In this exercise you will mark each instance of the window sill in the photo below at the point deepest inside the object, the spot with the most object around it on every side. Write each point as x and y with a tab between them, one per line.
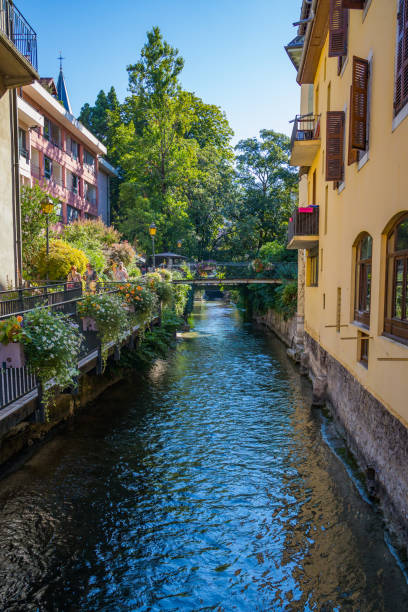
361	326
403	114
344	66
395	340
362	162
341	187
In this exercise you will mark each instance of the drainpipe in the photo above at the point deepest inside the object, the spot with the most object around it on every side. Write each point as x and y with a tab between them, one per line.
16	188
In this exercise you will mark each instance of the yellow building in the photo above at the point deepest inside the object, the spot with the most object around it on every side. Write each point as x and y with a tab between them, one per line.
350	142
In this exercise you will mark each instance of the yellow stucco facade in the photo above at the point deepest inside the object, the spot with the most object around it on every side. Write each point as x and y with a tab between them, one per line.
373	193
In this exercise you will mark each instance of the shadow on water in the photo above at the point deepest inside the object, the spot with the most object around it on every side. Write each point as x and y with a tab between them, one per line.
206	485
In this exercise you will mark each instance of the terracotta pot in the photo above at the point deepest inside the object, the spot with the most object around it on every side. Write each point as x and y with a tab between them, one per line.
130	308
89	324
12	355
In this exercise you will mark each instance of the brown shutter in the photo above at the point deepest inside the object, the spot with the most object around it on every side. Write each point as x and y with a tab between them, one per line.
353	4
358	109
334	145
338	29
352	153
401	73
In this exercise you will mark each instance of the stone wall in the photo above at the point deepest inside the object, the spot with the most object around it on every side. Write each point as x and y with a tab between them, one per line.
378	440
285	330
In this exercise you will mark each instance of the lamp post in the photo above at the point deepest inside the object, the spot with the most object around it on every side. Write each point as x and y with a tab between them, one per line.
152	232
47	206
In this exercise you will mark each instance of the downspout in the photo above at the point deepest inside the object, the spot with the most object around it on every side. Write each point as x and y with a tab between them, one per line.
16	189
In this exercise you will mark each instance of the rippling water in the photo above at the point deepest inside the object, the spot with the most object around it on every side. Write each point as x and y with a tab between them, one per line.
206	487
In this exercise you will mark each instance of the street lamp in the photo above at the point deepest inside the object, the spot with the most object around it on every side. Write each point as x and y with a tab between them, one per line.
179	244
152	232
47	206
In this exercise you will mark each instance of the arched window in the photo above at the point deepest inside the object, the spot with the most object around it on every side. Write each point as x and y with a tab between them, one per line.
396	303
363	280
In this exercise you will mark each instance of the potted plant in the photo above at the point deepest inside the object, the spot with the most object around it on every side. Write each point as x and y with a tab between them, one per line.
142	298
11	343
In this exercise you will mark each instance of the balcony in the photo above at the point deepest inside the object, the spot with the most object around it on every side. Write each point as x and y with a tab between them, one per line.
18	47
305	141
303	228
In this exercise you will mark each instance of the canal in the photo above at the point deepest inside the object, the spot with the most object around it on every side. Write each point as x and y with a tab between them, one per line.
208	485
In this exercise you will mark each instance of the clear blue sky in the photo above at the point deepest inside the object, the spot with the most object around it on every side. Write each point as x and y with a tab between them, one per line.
233	51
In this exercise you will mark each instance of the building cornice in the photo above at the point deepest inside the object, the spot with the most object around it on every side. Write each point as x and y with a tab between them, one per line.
315	37
55	110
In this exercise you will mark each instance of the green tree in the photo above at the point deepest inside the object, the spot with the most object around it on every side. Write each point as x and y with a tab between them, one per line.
268	187
33	226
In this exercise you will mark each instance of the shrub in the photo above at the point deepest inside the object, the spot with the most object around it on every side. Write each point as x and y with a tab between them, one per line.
61	257
121	252
165	274
94	231
276	252
285	301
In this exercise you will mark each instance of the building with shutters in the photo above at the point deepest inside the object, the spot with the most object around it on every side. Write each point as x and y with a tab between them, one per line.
350	142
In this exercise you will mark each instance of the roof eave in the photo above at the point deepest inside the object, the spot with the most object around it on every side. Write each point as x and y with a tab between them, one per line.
314	41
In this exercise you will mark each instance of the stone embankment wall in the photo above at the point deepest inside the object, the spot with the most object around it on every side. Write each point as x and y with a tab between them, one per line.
285	330
378	440
27	435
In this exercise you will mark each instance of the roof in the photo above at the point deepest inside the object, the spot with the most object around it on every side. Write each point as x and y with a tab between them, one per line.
49	84
62	92
54	108
106	167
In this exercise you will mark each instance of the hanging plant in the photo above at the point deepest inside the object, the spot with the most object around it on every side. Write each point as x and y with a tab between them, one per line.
142	297
52	342
111	320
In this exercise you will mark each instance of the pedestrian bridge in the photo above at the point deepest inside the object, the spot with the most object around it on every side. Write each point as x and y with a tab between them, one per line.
205	282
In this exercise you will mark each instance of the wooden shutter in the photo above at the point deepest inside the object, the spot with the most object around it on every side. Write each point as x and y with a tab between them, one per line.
338	29
353	4
359	103
401	73
334	145
352	153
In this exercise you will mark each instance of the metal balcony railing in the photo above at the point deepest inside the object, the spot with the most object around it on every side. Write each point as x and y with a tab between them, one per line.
304	222
19	31
305	127
24	153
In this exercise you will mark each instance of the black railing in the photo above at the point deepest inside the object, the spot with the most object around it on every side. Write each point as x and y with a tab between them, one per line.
19	31
304	223
24	153
18	382
305	127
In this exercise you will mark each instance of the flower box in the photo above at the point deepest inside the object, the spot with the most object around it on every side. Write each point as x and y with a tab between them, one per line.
12	355
89	324
129	308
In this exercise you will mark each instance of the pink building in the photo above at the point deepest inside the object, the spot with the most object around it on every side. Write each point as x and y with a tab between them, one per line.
57	151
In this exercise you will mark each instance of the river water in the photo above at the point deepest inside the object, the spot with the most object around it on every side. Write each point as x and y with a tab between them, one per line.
207	485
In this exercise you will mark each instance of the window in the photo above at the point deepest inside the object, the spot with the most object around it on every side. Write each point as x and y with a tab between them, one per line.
22	144
73	182
52	132
358	121
401	69
362	301
338	30
313	265
90	193
335	145
89	160
363	341
72	148
47	167
396	305
58	211
72	214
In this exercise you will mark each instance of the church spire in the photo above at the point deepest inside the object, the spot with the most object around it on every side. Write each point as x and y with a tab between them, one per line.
62	88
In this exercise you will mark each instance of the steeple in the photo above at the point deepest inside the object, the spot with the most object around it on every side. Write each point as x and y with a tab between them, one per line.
62	88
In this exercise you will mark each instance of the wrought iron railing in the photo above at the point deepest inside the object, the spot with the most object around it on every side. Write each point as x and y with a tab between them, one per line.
15	383
305	127
304	222
19	31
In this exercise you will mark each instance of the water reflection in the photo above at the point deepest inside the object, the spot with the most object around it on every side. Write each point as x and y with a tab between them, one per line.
205	487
